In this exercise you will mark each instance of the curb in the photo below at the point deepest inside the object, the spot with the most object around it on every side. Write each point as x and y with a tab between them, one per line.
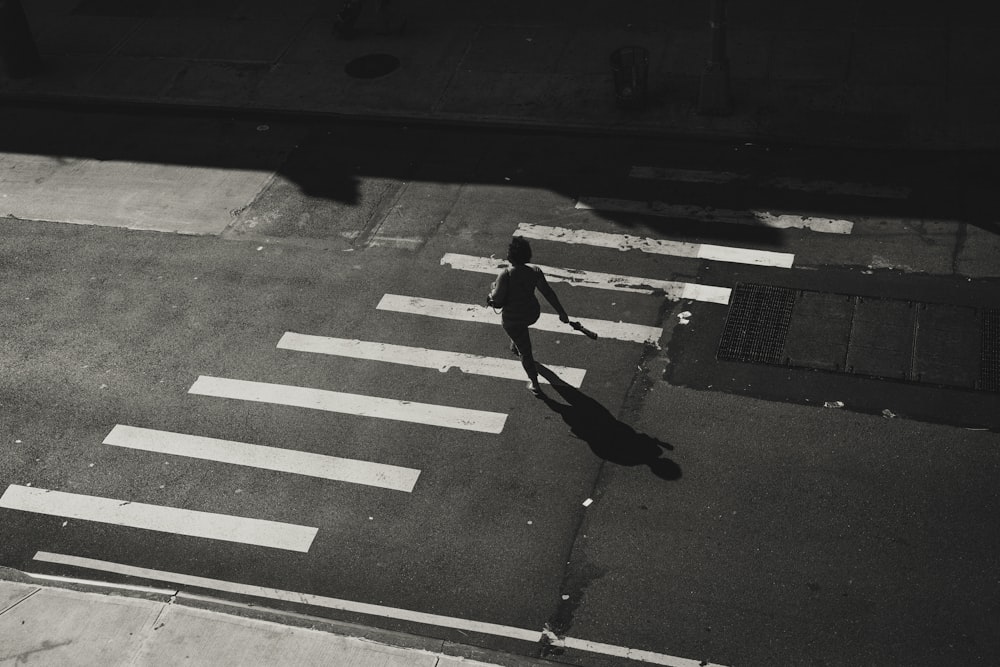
474	121
391	638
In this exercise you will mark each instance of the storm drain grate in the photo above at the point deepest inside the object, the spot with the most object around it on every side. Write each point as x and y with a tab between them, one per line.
945	345
989	376
757	324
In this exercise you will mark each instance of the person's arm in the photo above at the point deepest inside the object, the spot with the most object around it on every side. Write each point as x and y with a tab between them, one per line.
498	295
550	296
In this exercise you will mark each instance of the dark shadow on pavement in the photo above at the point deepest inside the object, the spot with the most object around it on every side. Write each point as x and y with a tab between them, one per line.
609	438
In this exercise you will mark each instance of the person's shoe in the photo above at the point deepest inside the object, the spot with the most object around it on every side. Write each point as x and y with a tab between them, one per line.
535	390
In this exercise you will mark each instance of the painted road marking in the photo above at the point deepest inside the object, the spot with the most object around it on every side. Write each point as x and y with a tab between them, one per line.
159	518
709	214
671	289
362	608
269	458
625	242
778	182
467	312
442	360
351	404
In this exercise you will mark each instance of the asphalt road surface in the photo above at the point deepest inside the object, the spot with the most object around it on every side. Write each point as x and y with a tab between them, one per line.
300	399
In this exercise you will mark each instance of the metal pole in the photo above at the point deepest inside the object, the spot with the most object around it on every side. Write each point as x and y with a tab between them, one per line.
714	97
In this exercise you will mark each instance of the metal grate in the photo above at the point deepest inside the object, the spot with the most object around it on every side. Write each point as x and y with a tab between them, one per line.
757	324
989	370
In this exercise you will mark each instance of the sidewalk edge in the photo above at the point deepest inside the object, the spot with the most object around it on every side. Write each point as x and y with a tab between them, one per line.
462	120
391	638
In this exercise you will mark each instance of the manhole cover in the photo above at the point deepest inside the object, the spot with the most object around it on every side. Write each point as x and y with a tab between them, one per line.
372	66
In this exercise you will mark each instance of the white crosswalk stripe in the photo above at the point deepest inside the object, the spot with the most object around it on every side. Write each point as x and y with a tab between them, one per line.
626	242
777	182
467	312
353	404
671	289
269	458
224	527
442	360
709	214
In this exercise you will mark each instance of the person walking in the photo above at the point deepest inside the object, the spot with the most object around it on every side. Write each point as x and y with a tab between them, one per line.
514	292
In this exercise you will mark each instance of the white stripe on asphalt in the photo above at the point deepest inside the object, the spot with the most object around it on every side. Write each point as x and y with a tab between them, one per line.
467	312
157	517
671	289
779	182
442	360
268	458
361	608
708	214
625	242
351	404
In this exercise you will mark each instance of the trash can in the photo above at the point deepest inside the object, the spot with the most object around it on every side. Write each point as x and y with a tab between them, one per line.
630	66
18	54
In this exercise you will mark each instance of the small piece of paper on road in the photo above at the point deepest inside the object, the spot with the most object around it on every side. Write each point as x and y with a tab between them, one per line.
587	502
833	404
684	318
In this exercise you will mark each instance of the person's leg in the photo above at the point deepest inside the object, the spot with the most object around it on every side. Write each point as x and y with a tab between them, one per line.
522	341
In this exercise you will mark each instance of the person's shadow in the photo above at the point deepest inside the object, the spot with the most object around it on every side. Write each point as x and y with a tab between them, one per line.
609	438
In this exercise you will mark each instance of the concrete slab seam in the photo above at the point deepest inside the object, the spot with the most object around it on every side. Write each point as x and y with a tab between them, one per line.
14	604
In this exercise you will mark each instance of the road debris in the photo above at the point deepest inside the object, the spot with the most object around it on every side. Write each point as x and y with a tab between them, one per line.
833	404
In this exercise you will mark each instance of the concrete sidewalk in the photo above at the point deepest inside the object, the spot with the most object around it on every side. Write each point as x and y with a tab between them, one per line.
56	625
848	72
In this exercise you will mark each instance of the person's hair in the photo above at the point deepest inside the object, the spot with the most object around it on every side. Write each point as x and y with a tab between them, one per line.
518	252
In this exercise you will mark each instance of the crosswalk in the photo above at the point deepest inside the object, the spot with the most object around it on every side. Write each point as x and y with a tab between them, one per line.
468	312
671	289
750	218
625	242
159	518
442	360
266	458
344	405
350	404
286	459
